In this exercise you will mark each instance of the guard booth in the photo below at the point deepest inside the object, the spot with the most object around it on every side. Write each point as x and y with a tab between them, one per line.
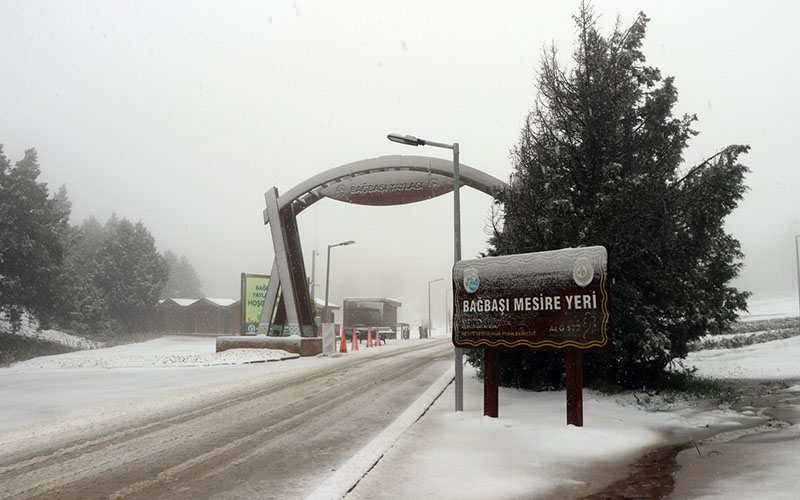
403	330
363	313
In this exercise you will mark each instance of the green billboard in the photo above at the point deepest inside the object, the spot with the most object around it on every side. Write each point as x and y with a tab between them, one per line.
254	291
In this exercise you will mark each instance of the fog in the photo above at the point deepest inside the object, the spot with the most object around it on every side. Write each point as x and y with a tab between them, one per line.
182	114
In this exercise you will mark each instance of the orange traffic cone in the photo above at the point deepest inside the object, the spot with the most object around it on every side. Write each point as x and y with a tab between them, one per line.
377	337
369	336
343	346
355	341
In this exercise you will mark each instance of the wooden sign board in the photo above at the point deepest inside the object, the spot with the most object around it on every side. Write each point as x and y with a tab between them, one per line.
543	300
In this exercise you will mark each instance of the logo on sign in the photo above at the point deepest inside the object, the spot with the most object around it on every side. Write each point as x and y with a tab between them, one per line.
471	280
583	272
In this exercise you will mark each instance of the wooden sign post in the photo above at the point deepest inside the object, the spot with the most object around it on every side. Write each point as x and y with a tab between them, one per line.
491	382
574	364
555	300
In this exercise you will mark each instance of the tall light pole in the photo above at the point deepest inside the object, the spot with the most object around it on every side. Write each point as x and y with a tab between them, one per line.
430	325
797	256
328	275
314	254
410	140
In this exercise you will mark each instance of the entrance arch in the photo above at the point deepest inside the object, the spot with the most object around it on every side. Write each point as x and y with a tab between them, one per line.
385	180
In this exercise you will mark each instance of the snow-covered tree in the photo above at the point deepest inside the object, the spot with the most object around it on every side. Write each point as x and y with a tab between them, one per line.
113	277
183	280
32	225
130	273
90	277
600	162
83	307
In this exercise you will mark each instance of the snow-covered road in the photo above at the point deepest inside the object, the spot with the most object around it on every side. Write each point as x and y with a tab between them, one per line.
273	435
529	452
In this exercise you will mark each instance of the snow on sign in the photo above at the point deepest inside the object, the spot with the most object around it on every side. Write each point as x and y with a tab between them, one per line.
543	300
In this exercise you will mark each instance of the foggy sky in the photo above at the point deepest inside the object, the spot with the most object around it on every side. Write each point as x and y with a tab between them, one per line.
182	114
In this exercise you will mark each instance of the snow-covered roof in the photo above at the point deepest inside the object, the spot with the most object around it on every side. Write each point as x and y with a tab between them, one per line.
388	300
321	303
222	302
188	302
183	302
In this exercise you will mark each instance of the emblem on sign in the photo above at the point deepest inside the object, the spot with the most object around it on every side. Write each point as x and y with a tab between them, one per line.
471	280
583	272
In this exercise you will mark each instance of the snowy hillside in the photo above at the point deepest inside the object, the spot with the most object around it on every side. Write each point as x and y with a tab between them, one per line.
30	328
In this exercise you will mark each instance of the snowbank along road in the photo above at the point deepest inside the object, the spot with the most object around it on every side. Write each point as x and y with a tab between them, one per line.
276	439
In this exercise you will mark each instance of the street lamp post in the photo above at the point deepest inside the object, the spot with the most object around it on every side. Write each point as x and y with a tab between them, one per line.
314	254
410	140
328	275
430	325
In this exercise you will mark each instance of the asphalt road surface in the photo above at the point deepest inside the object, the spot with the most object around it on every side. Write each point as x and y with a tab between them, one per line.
277	440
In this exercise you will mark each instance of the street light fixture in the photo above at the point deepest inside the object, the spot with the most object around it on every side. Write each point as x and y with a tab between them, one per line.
328	275
410	140
430	325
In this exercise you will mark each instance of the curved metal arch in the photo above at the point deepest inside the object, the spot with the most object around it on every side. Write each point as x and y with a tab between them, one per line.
307	192
288	266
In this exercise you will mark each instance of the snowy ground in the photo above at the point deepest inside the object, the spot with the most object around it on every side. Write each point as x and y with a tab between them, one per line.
527	452
168	351
29	328
776	360
771	308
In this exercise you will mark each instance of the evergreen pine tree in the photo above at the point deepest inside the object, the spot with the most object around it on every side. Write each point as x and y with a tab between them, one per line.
84	308
31	240
183	280
130	273
600	162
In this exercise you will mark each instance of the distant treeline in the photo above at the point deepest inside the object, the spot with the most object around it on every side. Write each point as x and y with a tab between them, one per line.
90	278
